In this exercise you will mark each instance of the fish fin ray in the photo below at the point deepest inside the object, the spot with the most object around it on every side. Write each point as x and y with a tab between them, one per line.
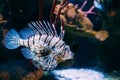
26	33
11	39
42	28
27	53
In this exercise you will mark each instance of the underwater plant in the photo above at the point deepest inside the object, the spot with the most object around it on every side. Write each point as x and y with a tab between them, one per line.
73	16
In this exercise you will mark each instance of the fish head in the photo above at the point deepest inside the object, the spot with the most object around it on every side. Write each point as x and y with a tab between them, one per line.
45	52
66	54
42	50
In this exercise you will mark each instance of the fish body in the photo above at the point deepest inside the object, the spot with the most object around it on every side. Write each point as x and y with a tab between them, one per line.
37	43
40	43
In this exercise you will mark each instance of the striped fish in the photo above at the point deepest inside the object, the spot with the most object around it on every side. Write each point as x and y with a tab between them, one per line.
40	43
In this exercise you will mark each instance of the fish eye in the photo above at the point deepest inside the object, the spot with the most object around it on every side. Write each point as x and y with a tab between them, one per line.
45	52
67	48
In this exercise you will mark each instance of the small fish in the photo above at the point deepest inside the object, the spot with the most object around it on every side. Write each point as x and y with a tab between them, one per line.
40	43
98	4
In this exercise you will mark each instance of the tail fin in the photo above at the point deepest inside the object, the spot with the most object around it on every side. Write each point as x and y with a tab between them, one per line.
11	39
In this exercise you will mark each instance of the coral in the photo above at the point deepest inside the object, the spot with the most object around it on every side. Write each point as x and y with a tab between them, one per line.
102	35
35	75
1	19
4	76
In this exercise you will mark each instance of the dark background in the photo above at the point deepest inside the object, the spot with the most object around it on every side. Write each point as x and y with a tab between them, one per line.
89	52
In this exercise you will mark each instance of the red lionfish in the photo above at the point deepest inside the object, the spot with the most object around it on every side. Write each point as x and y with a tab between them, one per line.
41	44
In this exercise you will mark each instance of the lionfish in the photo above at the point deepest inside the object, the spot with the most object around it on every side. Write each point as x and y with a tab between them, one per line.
41	43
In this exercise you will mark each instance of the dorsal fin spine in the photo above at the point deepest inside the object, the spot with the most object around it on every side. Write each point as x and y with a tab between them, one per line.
40	28
40	23
54	30
47	27
33	28
50	28
37	28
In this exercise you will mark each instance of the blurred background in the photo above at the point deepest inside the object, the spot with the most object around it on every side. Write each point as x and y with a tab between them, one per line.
90	53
